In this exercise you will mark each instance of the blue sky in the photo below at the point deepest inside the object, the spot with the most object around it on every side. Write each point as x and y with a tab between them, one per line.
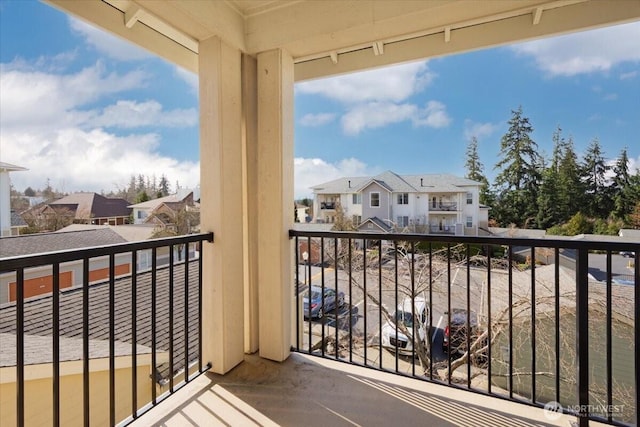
86	110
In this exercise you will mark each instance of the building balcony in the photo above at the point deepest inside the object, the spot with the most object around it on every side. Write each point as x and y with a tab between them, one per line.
443	207
328	205
502	333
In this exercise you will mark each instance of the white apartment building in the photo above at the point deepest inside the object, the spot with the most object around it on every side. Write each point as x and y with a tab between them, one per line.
388	202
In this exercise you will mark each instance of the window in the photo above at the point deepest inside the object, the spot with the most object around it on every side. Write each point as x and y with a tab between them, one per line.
357	219
403	221
469	221
469	198
374	200
403	198
357	199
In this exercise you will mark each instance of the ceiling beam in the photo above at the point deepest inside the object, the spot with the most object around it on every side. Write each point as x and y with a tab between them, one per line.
561	20
109	18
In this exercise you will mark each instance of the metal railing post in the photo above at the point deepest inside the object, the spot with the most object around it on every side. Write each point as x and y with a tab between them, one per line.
582	335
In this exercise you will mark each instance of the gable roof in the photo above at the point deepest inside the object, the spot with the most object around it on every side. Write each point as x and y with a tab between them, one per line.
172	198
129	232
47	242
39	313
376	222
426	183
93	205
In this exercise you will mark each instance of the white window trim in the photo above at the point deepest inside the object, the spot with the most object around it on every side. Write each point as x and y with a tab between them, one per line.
371	199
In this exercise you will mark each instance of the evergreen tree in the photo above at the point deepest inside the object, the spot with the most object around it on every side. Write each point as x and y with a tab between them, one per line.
475	171
593	176
548	196
519	176
569	184
164	187
622	188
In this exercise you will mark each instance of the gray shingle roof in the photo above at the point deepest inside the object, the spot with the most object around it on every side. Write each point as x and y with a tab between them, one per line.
427	183
48	242
38	317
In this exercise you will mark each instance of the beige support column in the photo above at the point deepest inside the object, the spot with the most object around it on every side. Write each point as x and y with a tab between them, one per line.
221	185
275	202
250	194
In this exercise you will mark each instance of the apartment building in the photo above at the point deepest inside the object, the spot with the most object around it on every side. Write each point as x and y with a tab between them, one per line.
388	202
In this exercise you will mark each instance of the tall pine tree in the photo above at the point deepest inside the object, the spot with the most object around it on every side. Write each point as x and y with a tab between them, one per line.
475	171
519	177
594	180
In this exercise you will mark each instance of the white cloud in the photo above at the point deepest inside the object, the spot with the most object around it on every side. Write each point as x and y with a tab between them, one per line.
314	120
107	44
50	124
375	115
75	160
395	84
479	130
38	99
585	52
132	114
311	172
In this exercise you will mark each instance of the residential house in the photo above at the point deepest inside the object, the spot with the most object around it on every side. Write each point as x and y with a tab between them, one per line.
155	211
429	204
82	208
7	220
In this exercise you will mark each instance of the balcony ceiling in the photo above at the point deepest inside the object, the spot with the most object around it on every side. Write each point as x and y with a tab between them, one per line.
332	37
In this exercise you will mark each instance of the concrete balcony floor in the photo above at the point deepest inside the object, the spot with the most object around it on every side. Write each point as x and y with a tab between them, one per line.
309	391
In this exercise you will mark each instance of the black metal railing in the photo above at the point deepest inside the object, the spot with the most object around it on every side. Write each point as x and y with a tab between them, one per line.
516	319
142	326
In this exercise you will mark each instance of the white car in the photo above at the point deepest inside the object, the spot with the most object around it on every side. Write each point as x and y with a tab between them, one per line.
394	338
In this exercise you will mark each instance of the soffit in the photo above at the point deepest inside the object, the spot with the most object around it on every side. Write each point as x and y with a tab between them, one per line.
338	36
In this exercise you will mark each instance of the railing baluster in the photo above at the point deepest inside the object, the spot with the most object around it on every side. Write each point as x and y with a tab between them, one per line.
533	325
350	301
380	302
322	279
510	285
171	307
609	343
134	334
430	311
557	321
449	350
86	400
413	308
395	320
468	317
56	344
335	272
20	347
582	334
364	302
297	291
636	324
186	314
154	343
112	341
489	336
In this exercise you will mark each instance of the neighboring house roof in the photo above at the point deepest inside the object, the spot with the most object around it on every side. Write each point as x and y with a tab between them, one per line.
603	238
39	313
47	242
377	222
16	220
129	232
427	183
92	205
517	232
153	204
37	349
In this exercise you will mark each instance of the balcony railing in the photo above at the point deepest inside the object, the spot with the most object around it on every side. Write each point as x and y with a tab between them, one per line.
444	206
327	205
515	319
106	351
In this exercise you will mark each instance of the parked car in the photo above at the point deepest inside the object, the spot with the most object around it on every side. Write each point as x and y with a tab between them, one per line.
455	333
392	335
627	254
320	306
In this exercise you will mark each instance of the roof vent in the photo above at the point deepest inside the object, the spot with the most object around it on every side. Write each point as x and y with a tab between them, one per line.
421	183
349	183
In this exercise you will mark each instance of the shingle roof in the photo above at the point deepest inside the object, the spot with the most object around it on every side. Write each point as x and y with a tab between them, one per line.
16	220
38	316
92	205
129	232
427	183
47	242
